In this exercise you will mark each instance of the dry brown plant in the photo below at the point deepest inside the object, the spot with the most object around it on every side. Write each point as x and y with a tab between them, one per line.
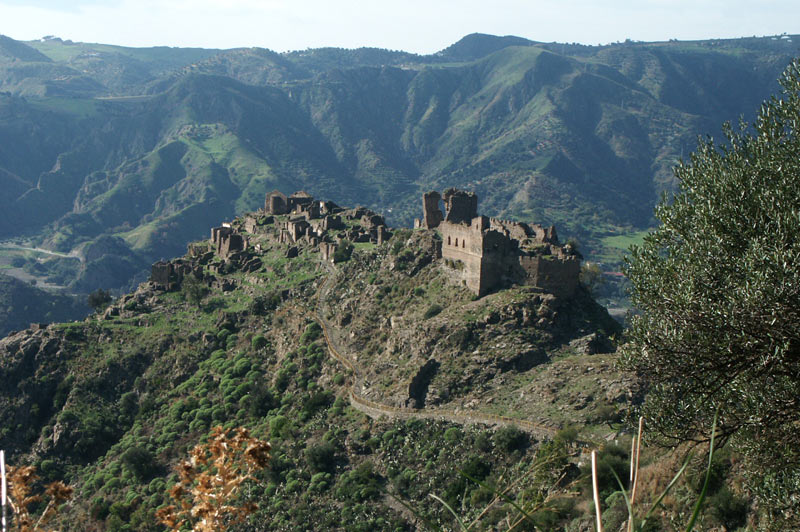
210	480
20	487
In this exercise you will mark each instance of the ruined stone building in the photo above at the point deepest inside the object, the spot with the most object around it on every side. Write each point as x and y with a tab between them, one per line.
298	219
226	240
487	254
298	203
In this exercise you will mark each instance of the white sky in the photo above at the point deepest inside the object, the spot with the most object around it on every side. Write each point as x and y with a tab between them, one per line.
421	26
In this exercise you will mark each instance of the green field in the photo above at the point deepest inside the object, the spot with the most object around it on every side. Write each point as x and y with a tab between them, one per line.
615	247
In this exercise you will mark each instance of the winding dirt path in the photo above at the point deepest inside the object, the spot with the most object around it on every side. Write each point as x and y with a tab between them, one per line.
70	255
375	410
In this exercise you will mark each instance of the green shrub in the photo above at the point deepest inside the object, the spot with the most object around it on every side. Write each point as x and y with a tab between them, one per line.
612	457
279	426
343	251
313	331
140	462
432	311
728	508
258	342
404	258
321	457
316	401
452	434
320	482
262	400
112	484
262	304
194	290
509	439
359	485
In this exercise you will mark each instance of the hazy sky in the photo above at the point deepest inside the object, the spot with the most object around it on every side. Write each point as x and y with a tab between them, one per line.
421	26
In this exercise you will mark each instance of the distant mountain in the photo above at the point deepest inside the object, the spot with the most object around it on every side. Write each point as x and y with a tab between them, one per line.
477	45
16	51
149	147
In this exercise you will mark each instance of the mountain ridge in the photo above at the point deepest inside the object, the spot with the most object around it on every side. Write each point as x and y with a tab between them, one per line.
154	145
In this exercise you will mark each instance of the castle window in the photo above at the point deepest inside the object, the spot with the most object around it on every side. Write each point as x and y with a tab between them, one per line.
456	242
463	243
448	240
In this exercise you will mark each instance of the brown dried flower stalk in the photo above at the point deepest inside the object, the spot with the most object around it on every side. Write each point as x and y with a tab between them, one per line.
20	484
210	480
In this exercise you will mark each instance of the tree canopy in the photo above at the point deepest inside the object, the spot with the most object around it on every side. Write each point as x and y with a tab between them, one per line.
718	287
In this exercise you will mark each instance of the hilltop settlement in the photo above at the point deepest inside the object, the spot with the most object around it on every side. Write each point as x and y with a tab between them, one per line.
481	253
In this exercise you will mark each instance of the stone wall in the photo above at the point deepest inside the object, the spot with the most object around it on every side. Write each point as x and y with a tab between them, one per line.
276	203
169	275
461	206
462	245
431	213
557	275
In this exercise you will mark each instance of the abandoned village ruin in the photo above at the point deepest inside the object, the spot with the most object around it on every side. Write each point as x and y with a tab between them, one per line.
481	253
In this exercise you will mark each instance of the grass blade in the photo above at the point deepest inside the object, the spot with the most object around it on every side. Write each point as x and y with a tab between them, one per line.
596	492
666	490
458	519
628	501
702	497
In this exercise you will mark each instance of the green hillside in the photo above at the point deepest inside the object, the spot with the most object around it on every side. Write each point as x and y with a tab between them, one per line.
153	146
371	404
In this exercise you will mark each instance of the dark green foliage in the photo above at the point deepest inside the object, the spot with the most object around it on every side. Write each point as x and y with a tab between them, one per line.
611	457
728	508
343	251
475	468
404	258
94	429
316	401
398	244
452	434
360	484
262	400
321	457
313	332
510	438
432	311
262	304
129	404
99	299
140	462
194	290
719	291
258	342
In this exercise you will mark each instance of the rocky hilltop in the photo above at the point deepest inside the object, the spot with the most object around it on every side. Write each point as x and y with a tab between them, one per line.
356	349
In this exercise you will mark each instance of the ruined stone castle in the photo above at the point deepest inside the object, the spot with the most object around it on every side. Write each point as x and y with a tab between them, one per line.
487	254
